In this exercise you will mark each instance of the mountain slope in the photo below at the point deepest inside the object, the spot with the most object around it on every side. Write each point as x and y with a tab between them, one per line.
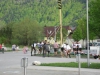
45	12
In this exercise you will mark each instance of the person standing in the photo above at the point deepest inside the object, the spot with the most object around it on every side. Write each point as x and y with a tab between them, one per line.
80	47
62	49
56	46
67	50
45	48
0	47
17	48
33	47
3	45
25	49
48	51
74	46
40	47
13	47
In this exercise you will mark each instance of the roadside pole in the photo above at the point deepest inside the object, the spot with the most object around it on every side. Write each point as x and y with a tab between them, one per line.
24	63
88	61
78	60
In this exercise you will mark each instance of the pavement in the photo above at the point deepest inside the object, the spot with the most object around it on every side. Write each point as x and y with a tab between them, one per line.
67	70
12	66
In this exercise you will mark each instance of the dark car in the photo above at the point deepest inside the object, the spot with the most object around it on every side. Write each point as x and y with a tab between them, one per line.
90	44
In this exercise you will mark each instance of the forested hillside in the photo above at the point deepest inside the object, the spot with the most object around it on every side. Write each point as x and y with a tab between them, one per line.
45	12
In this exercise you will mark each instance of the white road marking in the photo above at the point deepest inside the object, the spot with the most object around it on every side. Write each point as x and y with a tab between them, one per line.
11	72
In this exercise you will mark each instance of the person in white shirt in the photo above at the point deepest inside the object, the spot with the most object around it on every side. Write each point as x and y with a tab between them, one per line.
80	47
62	49
74	46
67	49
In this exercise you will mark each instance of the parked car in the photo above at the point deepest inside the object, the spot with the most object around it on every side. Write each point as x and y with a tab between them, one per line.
97	44
90	44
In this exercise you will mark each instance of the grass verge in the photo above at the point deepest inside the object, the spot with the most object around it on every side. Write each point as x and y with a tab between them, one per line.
73	64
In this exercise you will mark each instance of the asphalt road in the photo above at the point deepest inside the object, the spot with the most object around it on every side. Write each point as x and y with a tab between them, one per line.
10	64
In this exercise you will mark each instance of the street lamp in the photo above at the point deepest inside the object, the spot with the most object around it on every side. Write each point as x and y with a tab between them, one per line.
88	61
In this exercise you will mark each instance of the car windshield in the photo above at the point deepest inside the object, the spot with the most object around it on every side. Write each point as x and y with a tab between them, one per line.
98	44
94	43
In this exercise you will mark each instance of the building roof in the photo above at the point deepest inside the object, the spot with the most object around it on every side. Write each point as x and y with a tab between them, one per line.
49	31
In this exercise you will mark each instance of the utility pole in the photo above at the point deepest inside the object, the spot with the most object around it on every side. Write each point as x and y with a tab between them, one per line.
88	61
60	14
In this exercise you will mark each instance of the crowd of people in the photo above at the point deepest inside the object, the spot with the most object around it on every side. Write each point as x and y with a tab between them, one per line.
77	47
44	48
15	47
65	48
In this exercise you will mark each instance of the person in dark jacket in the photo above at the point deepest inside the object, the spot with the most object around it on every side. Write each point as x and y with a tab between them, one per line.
33	47
45	49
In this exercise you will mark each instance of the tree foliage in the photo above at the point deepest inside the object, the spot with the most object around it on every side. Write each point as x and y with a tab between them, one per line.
27	31
94	14
45	12
6	33
82	25
77	35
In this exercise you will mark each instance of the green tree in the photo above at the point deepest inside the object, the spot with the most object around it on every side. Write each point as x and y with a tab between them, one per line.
77	34
82	24
6	33
27	31
94	15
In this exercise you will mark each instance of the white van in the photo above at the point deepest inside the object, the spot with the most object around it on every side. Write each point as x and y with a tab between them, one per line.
95	50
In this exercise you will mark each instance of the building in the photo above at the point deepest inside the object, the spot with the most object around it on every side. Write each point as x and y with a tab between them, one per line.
50	32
